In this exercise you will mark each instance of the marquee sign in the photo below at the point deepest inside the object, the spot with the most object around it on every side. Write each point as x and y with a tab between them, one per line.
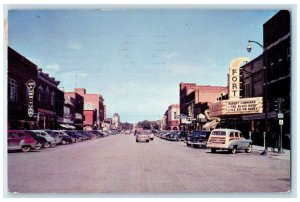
234	77
233	107
30	87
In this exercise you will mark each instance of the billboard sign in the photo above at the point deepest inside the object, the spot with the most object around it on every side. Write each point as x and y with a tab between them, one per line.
234	107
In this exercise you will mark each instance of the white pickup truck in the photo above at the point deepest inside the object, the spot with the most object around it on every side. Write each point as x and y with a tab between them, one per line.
228	139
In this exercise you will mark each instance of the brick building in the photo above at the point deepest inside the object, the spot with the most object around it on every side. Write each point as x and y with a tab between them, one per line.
173	120
34	101
97	101
195	99
46	96
20	71
79	107
277	43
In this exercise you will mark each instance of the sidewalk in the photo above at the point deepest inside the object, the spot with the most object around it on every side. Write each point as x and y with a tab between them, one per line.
272	154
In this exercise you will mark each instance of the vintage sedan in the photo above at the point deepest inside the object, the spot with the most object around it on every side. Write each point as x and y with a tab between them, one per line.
50	140
198	138
19	140
143	135
228	139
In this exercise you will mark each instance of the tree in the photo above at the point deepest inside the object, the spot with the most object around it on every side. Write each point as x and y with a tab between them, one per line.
127	126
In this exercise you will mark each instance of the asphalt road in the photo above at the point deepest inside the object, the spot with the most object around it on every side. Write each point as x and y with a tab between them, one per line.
117	164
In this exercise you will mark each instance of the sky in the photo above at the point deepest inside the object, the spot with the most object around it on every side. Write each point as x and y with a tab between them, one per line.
136	58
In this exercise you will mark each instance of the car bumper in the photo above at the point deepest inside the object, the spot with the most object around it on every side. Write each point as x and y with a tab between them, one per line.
202	144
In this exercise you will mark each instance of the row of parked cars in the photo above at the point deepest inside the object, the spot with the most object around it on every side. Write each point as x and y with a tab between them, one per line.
26	140
217	139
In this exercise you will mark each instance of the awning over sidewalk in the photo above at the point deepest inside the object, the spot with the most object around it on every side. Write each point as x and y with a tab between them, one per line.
67	126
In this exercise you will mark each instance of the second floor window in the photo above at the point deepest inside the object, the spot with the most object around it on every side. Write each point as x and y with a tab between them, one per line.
40	93
52	98
13	90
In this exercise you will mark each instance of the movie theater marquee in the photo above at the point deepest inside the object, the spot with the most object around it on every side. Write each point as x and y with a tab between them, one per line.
236	105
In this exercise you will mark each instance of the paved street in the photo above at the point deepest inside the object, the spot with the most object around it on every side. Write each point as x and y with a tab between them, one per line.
117	164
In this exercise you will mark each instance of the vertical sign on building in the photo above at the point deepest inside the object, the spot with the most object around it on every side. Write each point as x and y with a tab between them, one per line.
234	77
30	87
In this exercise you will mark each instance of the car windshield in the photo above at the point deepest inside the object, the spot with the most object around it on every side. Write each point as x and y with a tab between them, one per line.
220	133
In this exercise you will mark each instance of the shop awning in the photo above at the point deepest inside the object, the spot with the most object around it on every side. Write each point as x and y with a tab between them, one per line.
67	126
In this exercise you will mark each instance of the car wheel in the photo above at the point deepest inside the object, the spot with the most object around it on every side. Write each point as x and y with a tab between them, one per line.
63	142
47	145
249	149
38	146
136	140
25	148
188	144
232	151
147	140
213	150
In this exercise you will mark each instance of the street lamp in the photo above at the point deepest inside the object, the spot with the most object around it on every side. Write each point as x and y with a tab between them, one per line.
249	48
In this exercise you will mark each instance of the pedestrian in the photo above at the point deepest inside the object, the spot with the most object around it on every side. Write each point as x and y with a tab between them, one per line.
274	140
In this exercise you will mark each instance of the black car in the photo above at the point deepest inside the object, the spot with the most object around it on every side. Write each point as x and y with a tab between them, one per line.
198	138
77	137
41	141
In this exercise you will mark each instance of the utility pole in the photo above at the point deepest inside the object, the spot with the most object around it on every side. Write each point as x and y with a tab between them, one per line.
280	118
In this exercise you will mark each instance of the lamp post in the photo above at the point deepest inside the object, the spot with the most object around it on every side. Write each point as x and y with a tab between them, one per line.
249	48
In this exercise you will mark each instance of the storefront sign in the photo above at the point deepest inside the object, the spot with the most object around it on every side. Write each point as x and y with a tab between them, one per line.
234	77
233	107
30	87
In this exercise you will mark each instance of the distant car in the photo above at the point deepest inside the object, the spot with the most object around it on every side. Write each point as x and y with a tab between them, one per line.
228	139
150	133
198	138
142	136
19	140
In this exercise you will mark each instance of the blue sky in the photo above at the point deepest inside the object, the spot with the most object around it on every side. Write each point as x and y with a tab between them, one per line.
136	58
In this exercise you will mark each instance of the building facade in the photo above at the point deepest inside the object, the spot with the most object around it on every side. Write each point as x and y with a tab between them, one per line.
22	110
269	76
194	100
173	121
116	121
97	101
79	106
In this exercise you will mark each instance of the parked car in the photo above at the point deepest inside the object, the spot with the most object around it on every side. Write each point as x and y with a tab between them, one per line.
50	140
54	135
198	138
41	141
77	138
143	135
228	139
19	140
65	139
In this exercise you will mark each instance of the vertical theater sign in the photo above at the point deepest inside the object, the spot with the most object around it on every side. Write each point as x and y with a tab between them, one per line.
236	105
30	88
